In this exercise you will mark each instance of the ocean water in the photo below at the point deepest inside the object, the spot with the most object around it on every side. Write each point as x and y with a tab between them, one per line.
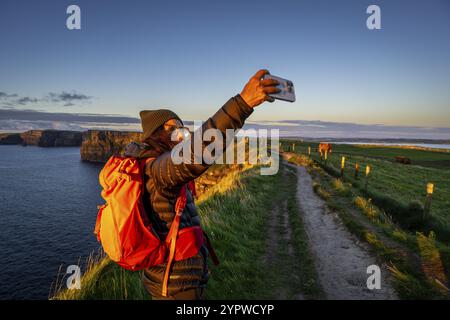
48	207
422	145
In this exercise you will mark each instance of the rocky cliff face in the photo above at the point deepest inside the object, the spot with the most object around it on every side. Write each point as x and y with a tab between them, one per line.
10	138
43	138
51	138
99	145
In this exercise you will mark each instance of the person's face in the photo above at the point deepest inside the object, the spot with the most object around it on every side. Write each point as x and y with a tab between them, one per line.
173	132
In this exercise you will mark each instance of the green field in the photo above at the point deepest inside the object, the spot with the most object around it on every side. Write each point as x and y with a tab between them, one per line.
425	158
391	184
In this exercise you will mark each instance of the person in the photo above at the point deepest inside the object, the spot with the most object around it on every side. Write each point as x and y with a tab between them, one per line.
164	179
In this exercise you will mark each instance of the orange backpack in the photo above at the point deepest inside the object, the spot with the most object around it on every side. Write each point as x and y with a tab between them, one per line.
124	230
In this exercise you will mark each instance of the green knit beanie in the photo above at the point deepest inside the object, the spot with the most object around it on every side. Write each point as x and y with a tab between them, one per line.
153	119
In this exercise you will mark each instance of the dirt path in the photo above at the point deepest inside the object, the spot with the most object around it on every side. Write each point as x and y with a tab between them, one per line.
280	244
341	260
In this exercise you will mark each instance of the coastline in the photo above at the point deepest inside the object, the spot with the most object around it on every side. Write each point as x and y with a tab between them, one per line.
99	145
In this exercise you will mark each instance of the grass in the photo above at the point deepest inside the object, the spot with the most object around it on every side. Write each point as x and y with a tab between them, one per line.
398	189
103	280
236	223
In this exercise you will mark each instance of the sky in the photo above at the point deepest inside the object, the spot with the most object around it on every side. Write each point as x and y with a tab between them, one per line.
192	56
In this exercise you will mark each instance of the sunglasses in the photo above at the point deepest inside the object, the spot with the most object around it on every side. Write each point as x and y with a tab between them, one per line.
185	131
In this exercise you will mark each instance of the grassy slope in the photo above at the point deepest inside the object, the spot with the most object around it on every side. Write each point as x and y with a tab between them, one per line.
235	221
234	213
105	280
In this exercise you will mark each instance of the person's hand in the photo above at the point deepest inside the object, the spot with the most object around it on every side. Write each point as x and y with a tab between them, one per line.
256	90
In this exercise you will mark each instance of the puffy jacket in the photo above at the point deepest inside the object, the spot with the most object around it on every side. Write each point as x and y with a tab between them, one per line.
164	180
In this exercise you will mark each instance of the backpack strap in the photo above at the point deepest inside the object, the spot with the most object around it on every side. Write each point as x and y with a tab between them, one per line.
171	238
212	253
210	248
191	186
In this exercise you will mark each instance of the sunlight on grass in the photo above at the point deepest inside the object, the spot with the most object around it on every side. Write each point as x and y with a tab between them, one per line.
431	260
400	235
366	207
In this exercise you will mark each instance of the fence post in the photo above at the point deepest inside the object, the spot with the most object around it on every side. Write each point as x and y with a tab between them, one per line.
430	189
356	171
326	156
367	178
309	152
342	167
293	146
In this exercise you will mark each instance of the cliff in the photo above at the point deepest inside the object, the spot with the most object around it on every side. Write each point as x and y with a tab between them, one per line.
99	145
52	138
10	138
43	138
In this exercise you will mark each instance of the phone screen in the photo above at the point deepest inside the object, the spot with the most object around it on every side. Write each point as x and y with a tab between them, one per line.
287	92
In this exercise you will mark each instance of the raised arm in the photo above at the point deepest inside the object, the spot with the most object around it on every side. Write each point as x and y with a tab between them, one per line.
169	177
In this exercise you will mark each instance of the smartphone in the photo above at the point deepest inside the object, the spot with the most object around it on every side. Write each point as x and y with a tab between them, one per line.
287	92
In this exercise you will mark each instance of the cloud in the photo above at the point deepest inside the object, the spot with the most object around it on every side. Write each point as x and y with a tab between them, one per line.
340	130
4	95
19	120
63	98
33	115
13	99
68	98
26	100
23	125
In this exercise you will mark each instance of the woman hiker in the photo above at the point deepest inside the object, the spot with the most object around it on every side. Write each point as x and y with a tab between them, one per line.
164	180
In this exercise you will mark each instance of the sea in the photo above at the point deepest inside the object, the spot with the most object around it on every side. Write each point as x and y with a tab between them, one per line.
393	144
48	207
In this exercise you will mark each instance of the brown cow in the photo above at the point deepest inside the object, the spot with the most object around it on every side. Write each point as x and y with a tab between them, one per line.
325	147
404	160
